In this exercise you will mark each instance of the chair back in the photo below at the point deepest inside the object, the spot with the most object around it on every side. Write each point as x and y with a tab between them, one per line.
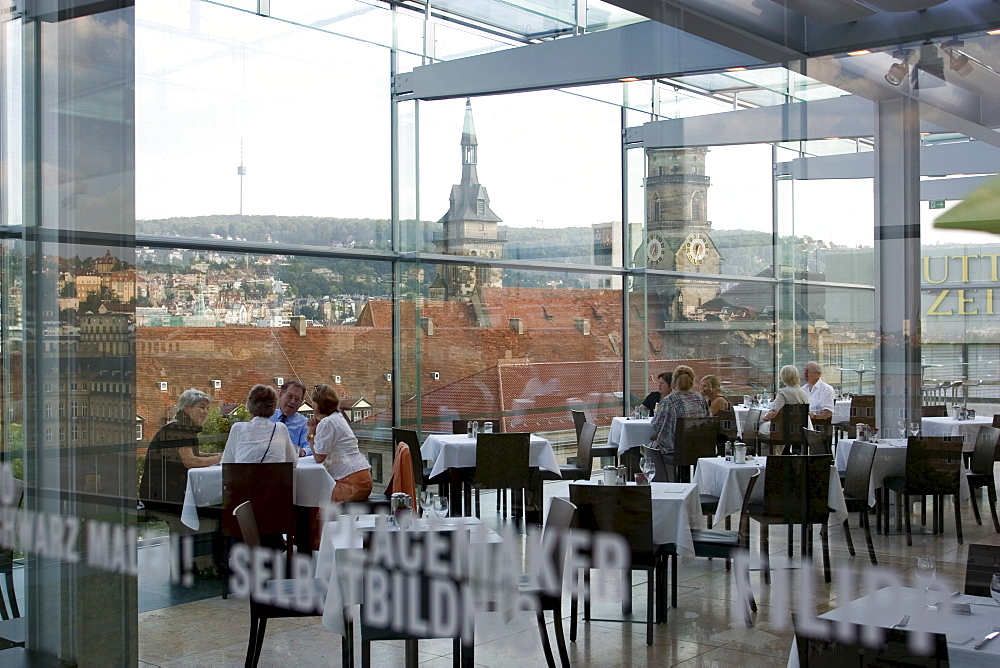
502	460
578	419
797	489
734	399
626	510
996	421
863	410
751	426
584	445
268	487
859	470
983	561
247	523
460	426
933	465
820	645
694	438
787	425
560	519
409	437
744	529
816	442
934	411
985	453
728	426
402	479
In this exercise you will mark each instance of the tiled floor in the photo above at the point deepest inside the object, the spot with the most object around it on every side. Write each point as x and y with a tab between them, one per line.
699	632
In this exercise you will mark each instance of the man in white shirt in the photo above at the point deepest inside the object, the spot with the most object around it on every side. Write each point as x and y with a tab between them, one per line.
821	395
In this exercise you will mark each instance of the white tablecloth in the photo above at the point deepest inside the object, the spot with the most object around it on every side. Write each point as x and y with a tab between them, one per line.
459	451
887	606
676	508
728	481
890	460
313	487
946	426
628	433
343	540
842	411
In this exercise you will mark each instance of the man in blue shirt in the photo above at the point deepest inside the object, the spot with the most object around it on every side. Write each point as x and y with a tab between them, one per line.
292	395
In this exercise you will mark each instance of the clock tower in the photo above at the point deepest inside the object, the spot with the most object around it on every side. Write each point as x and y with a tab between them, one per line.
678	230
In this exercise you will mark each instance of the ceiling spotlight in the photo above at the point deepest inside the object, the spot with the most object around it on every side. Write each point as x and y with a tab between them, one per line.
958	62
897	73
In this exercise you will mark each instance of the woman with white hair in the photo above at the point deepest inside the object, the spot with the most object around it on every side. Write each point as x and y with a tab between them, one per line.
174	450
260	441
791	393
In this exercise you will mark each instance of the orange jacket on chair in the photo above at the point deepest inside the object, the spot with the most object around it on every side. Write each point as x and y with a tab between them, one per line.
402	474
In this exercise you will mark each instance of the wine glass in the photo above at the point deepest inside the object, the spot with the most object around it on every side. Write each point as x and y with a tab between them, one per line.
426	502
902	428
440	506
914	428
648	467
925	574
995	587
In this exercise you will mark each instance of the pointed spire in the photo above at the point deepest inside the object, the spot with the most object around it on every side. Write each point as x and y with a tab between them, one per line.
469	129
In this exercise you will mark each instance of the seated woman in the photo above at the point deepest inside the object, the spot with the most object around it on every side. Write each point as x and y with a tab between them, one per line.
791	393
711	389
681	402
174	450
335	446
260	441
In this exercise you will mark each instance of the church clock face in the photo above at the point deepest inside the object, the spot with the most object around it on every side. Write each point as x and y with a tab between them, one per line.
696	249
654	248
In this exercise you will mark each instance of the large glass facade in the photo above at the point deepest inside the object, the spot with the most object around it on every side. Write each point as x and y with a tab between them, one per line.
213	195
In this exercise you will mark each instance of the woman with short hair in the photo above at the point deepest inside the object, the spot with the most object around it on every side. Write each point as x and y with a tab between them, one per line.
260	441
336	447
681	402
791	393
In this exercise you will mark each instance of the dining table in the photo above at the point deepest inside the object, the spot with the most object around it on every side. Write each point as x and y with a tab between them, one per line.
676	509
455	451
946	426
629	432
343	561
312	487
887	607
726	479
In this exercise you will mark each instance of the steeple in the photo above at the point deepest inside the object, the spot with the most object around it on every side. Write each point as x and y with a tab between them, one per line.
469	147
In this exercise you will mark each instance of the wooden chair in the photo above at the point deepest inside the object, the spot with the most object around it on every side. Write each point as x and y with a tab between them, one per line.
728	426
561	517
734	399
246	523
980	565
796	492
584	466
628	512
269	488
857	482
694	438
981	472
934	411
502	464
598	451
933	468
751	429
816	442
722	544
786	430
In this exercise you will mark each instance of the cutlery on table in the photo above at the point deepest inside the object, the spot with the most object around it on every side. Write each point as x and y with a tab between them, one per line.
901	623
989	636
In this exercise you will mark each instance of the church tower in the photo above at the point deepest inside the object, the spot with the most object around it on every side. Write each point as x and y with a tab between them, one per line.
470	228
678	230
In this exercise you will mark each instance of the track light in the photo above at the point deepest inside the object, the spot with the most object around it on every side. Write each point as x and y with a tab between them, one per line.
958	62
898	72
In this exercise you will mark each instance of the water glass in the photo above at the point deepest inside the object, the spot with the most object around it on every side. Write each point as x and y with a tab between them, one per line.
914	428
902	428
647	466
440	506
426	502
925	574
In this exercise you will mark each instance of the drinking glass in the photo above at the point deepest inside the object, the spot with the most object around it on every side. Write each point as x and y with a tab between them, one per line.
925	574
404	518
902	428
914	428
440	506
426	502
647	466
995	587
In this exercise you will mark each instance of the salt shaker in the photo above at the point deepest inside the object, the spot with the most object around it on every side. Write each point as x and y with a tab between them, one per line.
487	427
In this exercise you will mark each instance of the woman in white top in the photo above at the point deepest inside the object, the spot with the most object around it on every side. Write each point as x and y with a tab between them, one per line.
335	446
260	441
791	393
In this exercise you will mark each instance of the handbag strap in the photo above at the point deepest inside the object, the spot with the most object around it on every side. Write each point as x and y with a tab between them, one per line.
268	444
